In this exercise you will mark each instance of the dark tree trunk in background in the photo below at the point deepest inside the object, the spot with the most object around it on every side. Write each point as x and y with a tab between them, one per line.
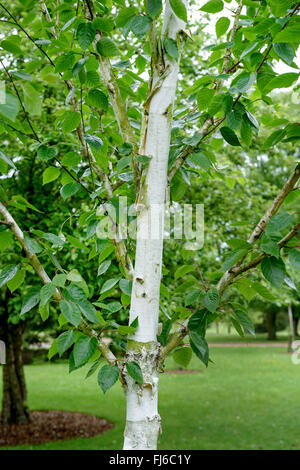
14	406
296	322
271	325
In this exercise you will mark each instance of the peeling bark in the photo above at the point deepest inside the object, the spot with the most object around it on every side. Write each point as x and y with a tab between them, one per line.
143	421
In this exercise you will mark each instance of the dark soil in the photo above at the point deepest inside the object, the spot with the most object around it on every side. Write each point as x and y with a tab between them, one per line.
182	371
49	426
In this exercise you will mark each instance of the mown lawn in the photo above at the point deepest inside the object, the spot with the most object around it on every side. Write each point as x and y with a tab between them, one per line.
248	399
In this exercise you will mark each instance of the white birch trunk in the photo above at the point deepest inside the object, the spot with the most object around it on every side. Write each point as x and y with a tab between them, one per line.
143	420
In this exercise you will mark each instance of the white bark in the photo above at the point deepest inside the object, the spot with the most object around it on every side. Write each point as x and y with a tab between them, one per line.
143	421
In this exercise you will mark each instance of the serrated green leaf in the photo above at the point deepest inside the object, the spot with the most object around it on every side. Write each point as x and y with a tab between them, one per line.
108	376
179	9
183	356
211	300
135	371
273	270
65	341
199	346
85	35
70	311
85	347
8	273
230	136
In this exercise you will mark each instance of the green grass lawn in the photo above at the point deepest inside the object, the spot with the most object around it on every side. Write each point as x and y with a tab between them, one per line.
248	399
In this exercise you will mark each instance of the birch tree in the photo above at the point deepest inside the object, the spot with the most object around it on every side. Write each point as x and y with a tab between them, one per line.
123	99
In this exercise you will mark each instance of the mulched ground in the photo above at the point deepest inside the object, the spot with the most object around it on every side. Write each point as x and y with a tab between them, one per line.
49	426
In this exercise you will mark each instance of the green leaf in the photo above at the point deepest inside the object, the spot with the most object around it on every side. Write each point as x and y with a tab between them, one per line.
237	326
112	307
274	138
153	7
290	33
278	222
88	311
70	120
213	6
70	189
233	257
50	174
10	108
171	48
230	136
108	376
32	99
183	356
199	346
97	99
263	291
71	159
32	245
204	97
125	15
197	322
126	330
182	270
44	311
104	24
281	81
7	274
135	371
200	160
211	300
10	46
126	286
46	153
65	341
93	368
179	9
53	349
222	25
103	267
246	133
140	25
7	160
269	246
273	270
245	81
65	62
46	293
85	35
31	299
70	311
245	288
85	347
16	281
59	280
284	51
294	257
245	321
109	284
94	141
107	48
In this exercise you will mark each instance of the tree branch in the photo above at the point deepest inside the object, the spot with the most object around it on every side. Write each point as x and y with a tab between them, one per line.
229	276
39	269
